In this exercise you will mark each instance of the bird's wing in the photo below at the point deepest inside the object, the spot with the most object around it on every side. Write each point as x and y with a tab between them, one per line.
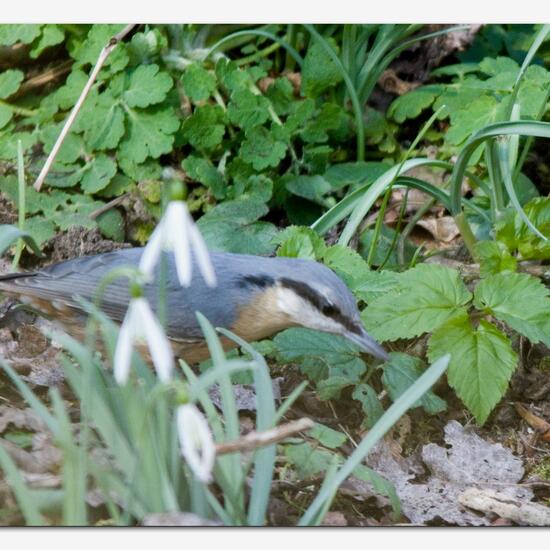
63	283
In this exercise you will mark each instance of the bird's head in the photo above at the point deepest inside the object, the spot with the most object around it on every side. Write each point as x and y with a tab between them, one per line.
303	293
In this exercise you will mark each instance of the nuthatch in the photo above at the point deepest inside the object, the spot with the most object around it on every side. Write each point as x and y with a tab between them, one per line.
255	297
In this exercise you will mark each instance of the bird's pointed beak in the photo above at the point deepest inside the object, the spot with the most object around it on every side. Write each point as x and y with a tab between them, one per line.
368	344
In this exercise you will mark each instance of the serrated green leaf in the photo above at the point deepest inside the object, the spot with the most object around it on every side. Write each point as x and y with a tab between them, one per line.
10	34
516	235
493	257
231	76
99	174
119	185
347	264
71	149
400	373
149	133
202	170
111	225
479	113
257	187
40	229
330	119
300	242
198	83
8	143
380	131
327	359
518	299
65	175
327	436
102	120
411	104
494	66
147	86
87	51
261	149
319	71
482	362
426	297
204	129
367	396
10	81
67	95
50	36
247	110
307	459
281	95
232	226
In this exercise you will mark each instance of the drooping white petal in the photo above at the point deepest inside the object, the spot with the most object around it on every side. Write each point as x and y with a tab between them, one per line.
157	342
202	255
178	222
124	345
197	444
151	253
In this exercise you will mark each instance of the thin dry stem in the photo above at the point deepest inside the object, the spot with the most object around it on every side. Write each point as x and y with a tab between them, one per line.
253	440
103	55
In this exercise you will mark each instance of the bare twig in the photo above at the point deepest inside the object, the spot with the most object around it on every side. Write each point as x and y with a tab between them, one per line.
491	502
253	440
103	55
107	206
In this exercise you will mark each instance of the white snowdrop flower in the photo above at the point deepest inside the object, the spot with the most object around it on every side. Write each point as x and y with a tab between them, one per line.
141	325
196	442
177	231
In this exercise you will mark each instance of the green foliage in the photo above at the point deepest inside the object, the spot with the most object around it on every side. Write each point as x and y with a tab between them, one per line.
494	257
400	373
482	362
512	231
330	361
425	297
476	96
518	299
319	71
233	226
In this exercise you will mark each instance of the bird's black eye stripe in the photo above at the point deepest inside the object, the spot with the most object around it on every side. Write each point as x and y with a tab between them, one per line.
261	281
320	302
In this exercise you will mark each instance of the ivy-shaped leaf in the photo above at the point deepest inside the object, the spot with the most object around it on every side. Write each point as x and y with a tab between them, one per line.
147	86
198	83
233	226
149	133
247	110
204	129
261	149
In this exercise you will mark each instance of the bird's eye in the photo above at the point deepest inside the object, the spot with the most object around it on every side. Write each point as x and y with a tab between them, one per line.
329	310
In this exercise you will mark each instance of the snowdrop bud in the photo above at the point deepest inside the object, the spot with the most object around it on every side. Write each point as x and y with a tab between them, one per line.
176	231
140	325
196	442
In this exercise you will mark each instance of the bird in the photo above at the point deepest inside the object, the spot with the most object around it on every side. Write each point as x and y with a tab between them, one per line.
255	298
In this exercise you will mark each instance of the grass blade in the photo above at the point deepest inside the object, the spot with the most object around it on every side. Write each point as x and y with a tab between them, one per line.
388	419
